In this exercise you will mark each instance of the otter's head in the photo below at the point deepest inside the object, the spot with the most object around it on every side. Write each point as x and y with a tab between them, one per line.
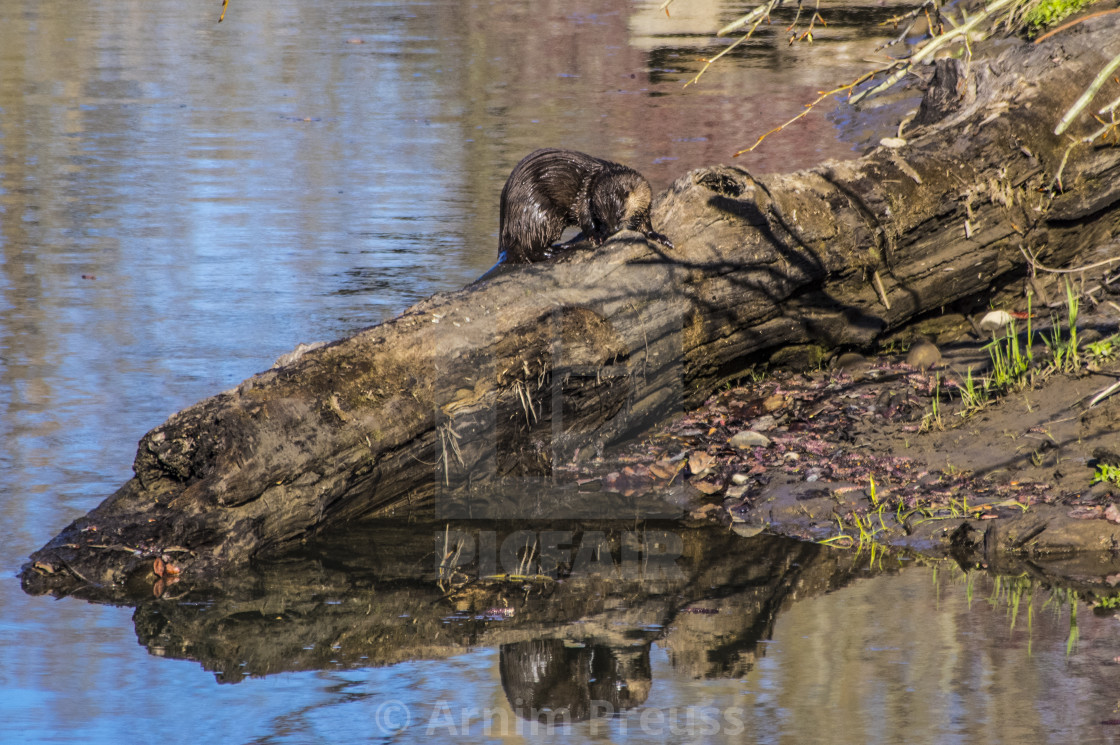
620	200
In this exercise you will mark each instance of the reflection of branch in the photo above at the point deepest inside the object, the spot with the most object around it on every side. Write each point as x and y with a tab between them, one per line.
762	12
710	62
808	33
913	16
808	108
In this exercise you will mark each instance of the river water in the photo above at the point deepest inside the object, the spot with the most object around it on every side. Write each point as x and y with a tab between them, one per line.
182	201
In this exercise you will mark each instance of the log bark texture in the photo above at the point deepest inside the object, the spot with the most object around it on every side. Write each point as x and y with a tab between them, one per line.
515	374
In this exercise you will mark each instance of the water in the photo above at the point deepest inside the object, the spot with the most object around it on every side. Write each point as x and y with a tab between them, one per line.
181	202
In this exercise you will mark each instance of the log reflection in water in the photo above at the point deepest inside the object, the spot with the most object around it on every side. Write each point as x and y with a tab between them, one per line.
371	598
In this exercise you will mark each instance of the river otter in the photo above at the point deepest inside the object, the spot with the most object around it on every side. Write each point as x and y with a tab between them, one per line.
551	189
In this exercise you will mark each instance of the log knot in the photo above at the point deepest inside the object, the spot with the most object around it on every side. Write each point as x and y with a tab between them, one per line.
160	455
945	94
722	180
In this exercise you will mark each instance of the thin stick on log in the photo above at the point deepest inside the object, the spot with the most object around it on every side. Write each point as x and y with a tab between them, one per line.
1076	270
1088	95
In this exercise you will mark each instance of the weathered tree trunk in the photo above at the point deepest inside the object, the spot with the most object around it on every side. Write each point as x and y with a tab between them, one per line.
514	375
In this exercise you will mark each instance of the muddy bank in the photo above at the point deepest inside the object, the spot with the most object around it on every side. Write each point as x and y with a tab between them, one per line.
857	454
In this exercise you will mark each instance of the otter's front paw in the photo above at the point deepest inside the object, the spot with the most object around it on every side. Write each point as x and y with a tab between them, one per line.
659	238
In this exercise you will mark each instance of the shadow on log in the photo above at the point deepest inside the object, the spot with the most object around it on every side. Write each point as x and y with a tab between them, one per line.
465	404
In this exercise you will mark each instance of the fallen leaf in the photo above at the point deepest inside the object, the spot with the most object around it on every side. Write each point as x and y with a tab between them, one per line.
701	512
665	469
700	463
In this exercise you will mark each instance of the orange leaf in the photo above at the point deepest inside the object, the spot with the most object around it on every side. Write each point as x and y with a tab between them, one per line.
664	469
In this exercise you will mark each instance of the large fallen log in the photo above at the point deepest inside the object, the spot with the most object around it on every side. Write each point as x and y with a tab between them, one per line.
503	381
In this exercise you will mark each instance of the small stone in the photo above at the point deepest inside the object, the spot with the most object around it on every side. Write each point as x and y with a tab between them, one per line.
1112	514
994	320
1088	336
739	478
745	530
923	356
851	362
735	493
773	403
892	142
749	439
764	424
1101	490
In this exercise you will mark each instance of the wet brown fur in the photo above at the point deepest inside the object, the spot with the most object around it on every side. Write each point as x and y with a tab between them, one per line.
551	189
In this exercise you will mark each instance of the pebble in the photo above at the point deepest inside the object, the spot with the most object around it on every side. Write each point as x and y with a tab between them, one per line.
1085	337
743	530
764	423
994	320
923	355
773	403
735	493
749	439
739	478
851	362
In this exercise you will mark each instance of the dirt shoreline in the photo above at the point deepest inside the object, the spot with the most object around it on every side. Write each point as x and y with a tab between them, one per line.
852	456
